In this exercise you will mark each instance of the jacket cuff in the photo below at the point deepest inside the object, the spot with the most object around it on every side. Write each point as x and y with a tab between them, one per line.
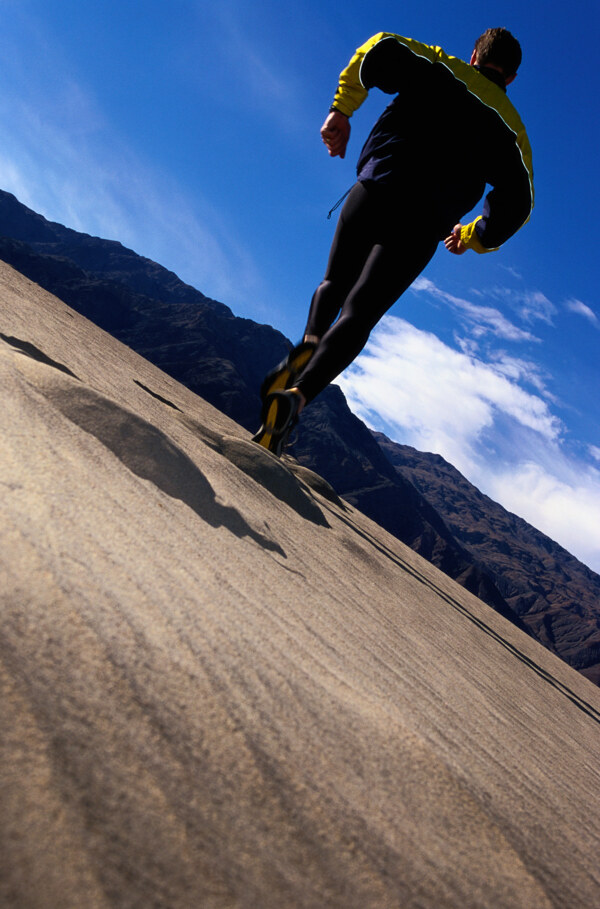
339	107
470	238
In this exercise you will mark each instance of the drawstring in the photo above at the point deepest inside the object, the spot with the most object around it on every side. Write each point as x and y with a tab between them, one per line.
337	204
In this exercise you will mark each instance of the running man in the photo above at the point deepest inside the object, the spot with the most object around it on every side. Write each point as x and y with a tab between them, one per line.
449	132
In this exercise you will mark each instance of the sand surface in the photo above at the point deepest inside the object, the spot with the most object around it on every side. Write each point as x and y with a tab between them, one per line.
221	686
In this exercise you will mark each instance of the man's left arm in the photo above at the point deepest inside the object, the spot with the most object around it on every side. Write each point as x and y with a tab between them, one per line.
508	205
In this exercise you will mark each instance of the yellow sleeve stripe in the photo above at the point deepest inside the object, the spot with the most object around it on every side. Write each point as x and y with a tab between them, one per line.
493	97
351	93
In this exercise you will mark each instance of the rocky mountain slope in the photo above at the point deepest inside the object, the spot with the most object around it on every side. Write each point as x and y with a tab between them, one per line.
202	344
557	596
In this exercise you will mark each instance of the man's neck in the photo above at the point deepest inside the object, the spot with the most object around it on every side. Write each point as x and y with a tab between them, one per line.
493	73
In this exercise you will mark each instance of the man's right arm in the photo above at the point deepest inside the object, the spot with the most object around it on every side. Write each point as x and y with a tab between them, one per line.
348	97
378	63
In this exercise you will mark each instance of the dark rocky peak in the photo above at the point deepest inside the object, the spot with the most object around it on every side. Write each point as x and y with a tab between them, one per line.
418	497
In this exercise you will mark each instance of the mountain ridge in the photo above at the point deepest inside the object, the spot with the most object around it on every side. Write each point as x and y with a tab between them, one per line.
506	534
222	357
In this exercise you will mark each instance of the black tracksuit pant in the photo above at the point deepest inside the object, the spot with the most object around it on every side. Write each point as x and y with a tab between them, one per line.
378	250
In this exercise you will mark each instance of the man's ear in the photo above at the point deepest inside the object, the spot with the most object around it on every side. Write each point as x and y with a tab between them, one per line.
510	79
473	59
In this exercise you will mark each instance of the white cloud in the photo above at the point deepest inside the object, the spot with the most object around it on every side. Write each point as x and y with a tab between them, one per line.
422	283
582	309
535	306
525	371
74	169
530	305
480	416
512	272
445	399
562	502
478	320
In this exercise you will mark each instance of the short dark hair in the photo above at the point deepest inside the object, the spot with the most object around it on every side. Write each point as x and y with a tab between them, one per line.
499	47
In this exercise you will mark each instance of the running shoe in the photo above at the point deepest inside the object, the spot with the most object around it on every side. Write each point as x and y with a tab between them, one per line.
279	416
284	375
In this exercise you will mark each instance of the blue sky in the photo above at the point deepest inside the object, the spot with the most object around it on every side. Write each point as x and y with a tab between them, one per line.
189	131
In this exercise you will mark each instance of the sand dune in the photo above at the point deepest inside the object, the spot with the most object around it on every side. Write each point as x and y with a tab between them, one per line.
224	687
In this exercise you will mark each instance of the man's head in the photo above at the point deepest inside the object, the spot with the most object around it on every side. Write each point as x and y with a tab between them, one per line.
498	49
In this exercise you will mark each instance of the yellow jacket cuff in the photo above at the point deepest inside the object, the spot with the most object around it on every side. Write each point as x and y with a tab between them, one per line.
469	238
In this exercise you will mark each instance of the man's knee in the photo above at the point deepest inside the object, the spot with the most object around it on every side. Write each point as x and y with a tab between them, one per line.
329	297
336	286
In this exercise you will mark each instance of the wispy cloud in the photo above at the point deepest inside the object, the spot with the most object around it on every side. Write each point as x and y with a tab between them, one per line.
582	309
531	305
523	371
535	306
512	271
492	420
62	157
101	187
252	66
478	320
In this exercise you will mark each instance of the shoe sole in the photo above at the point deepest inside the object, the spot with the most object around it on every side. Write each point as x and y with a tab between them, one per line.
267	435
283	376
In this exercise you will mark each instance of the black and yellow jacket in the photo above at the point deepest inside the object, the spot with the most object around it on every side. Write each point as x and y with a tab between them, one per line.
450	131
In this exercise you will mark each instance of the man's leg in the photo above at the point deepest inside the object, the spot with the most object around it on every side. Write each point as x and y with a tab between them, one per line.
371	263
389	270
351	246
